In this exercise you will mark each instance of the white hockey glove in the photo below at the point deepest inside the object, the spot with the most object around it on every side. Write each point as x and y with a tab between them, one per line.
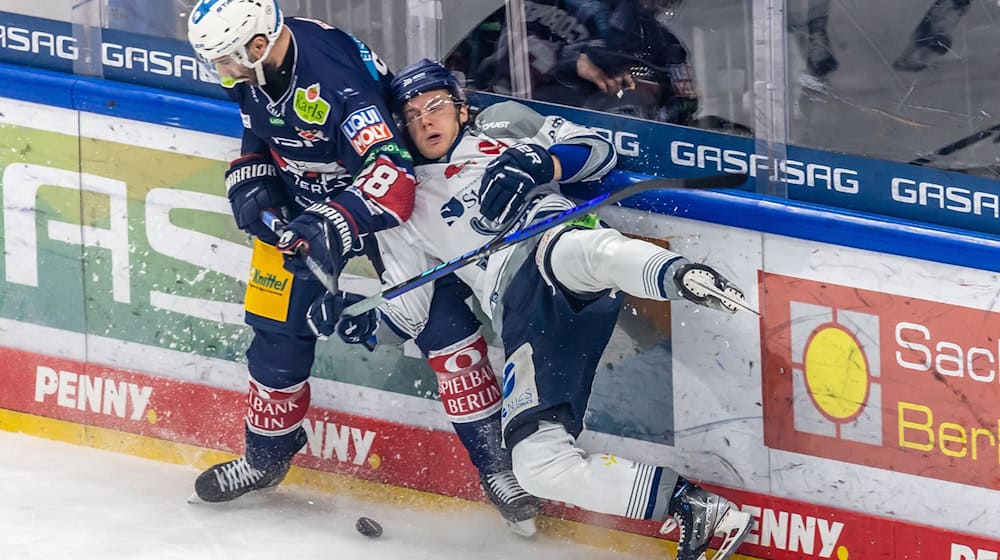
703	285
509	178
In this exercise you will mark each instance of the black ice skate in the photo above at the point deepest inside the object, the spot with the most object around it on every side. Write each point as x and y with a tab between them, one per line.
517	507
702	515
227	481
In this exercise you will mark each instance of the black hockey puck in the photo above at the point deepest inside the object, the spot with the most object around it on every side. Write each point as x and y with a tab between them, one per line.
368	527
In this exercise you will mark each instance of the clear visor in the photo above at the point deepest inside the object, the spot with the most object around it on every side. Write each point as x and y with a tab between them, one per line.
229	70
434	106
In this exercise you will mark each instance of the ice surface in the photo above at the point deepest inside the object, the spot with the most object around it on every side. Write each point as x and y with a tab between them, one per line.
66	501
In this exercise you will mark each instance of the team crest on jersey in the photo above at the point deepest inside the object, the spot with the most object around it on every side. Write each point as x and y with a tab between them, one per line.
309	106
455	168
364	128
456	206
452	211
312	135
492	148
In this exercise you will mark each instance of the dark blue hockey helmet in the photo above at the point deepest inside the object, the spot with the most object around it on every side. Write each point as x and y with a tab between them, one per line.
421	77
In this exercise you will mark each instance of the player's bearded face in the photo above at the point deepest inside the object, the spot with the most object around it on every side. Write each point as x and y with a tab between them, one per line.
433	121
232	71
234	68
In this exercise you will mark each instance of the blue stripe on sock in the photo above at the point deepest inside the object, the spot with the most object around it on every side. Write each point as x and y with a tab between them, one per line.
660	285
660	277
651	504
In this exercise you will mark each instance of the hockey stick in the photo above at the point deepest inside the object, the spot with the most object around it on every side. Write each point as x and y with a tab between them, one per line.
960	144
502	241
329	281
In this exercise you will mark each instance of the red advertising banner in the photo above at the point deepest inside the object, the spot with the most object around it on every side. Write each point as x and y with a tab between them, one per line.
424	459
204	416
791	530
891	382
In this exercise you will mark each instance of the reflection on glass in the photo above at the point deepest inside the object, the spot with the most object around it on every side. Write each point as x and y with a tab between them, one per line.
615	56
905	81
159	18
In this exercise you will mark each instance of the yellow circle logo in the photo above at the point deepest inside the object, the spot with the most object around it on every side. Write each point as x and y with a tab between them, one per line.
836	373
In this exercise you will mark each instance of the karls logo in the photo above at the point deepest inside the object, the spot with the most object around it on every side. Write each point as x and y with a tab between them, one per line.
310	106
364	128
881	380
99	395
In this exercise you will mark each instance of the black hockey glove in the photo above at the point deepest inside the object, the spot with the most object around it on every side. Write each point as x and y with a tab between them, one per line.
703	285
324	233
361	328
510	177
324	312
254	186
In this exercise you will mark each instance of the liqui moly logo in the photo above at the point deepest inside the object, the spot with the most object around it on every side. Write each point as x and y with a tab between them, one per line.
364	128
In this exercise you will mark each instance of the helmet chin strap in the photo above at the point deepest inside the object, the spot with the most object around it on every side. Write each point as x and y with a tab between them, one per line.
258	69
258	65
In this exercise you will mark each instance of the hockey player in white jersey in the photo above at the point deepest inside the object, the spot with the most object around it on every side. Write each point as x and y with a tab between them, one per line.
554	302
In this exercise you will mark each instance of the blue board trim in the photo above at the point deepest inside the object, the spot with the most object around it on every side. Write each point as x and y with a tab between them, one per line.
735	208
815	222
118	99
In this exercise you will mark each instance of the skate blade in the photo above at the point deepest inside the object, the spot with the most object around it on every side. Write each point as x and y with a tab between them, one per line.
195	499
524	528
734	529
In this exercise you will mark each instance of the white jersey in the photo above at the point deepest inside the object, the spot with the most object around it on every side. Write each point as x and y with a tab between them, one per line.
446	222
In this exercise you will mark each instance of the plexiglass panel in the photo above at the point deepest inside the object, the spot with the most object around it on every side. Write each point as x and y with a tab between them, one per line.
899	80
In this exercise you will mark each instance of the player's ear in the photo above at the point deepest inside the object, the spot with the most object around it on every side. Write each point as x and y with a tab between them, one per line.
463	114
257	46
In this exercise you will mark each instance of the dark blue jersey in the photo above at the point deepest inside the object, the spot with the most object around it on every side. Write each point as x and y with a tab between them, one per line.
331	133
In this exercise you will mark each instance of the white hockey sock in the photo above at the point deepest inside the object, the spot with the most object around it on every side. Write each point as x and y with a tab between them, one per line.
587	261
548	464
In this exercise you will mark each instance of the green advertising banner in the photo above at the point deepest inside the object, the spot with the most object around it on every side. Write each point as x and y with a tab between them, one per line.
121	230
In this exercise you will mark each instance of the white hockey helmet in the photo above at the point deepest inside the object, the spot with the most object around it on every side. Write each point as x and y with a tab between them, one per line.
219	31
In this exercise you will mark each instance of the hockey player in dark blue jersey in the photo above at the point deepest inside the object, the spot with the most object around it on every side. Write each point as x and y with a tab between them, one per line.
321	151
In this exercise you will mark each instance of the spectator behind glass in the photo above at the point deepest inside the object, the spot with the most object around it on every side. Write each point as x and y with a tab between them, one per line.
607	55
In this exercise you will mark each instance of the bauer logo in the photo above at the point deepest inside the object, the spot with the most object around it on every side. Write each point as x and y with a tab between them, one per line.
881	380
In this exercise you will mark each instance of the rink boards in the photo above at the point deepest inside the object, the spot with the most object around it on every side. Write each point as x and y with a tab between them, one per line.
123	277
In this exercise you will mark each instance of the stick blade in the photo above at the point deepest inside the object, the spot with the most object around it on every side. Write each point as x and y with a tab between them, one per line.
716	181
